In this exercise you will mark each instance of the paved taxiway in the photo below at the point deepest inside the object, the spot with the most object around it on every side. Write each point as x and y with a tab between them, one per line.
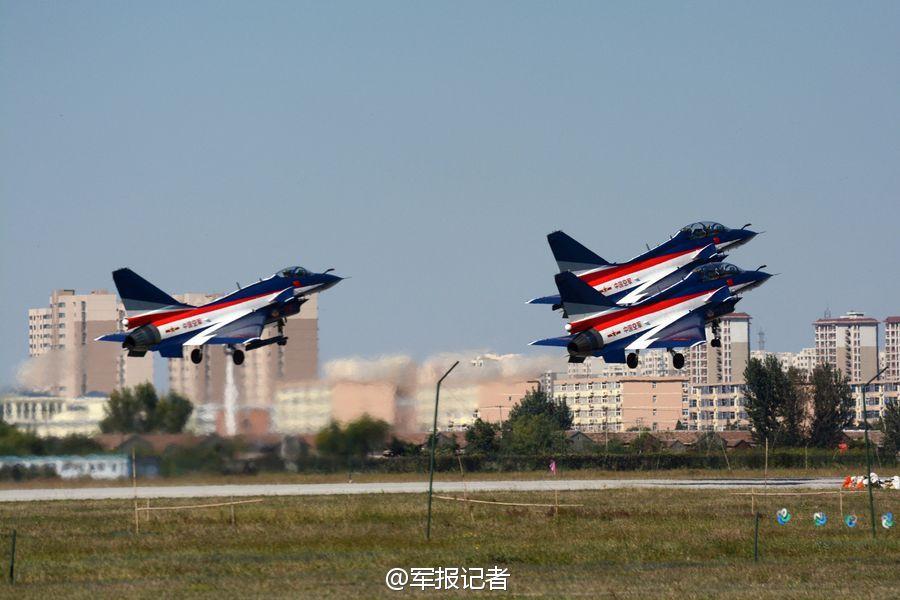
406	487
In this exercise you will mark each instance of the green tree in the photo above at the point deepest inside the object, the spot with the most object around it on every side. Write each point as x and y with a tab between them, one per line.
398	447
761	397
533	434
147	400
709	442
172	413
444	444
890	425
481	437
71	444
645	443
122	413
14	442
792	406
357	439
832	406
141	410
536	425
330	440
775	401
536	402
365	435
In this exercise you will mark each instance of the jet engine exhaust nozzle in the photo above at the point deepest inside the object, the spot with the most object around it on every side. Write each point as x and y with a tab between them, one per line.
585	342
142	337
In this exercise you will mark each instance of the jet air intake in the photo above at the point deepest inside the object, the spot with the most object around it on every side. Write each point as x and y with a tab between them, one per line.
142	337
585	343
722	309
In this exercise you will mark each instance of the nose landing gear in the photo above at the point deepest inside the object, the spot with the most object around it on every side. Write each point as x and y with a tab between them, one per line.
716	342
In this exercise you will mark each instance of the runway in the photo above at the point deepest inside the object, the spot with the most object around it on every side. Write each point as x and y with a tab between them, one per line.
406	487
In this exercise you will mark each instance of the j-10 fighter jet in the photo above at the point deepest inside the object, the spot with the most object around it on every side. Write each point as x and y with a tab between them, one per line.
159	323
673	318
647	274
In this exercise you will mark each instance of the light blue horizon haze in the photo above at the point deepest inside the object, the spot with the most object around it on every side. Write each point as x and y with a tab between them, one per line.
426	149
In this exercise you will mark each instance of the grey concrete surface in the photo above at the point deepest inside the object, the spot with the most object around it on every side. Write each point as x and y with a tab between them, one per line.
408	487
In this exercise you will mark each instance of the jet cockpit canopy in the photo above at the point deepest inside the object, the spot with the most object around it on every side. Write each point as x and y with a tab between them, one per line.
703	229
293	272
713	271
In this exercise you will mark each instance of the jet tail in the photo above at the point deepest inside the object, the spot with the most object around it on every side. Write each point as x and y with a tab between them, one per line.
571	255
139	295
579	298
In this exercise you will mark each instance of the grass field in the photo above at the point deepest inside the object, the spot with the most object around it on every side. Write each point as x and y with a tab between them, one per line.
622	544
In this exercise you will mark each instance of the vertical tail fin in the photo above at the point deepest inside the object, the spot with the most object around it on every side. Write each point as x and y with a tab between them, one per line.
578	298
571	255
138	294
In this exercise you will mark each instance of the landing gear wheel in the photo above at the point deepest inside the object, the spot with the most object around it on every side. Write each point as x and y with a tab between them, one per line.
632	360
196	356
238	357
716	343
282	342
678	360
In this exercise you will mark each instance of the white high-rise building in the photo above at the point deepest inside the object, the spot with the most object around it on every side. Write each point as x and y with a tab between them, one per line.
707	364
892	349
849	343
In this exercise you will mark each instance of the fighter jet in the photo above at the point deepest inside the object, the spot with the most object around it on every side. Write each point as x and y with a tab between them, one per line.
673	318
658	268
157	322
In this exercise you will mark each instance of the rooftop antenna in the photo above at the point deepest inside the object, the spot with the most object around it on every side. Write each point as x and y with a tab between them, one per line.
827	312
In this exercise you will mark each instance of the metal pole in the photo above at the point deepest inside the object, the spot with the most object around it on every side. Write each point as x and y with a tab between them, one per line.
756	539
434	432
12	560
868	457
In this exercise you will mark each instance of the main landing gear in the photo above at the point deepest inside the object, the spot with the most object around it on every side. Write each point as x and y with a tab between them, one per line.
237	356
632	360
716	342
678	360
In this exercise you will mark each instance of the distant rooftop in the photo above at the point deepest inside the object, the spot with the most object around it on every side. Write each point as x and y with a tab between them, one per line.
852	317
736	315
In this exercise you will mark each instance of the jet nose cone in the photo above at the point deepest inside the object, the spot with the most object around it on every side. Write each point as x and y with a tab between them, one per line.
331	280
759	277
745	235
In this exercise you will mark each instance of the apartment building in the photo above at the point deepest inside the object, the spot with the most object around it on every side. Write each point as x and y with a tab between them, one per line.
849	343
66	361
618	404
706	364
892	349
878	395
715	407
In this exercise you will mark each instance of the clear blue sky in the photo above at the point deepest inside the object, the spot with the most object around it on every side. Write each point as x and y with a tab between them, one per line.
425	149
